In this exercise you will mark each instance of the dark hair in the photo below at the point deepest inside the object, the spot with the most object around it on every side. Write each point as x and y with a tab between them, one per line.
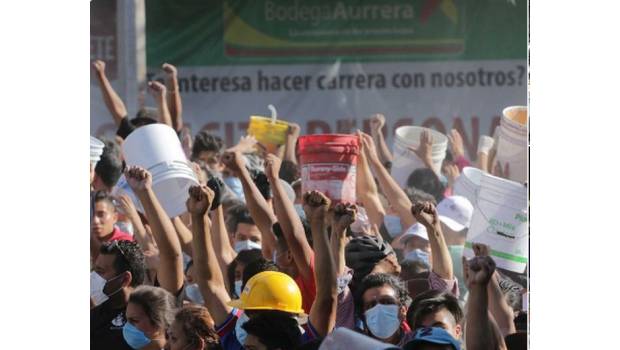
276	330
416	195
102	195
128	256
158	304
245	257
289	171
261	182
378	280
409	269
197	323
109	167
426	180
145	116
206	142
432	301
239	214
362	253
257	266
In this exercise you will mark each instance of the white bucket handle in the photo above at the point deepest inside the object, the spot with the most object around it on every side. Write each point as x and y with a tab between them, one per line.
274	113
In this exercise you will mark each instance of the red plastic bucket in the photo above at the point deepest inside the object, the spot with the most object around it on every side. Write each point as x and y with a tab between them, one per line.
328	164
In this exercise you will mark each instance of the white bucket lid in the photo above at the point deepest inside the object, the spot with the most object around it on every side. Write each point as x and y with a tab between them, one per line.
410	136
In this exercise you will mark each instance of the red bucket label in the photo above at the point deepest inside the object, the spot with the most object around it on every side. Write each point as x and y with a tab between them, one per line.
335	180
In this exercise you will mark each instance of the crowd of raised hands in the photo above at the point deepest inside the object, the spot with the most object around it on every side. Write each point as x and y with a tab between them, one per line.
256	263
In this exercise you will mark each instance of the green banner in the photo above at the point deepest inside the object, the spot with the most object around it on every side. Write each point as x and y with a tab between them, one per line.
229	32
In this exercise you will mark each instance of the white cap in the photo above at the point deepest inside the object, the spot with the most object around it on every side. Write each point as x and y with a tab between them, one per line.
455	212
416	229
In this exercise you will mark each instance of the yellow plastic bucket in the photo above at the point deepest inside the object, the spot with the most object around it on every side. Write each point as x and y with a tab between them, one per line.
271	135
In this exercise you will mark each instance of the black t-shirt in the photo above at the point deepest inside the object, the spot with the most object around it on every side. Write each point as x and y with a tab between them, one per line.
106	327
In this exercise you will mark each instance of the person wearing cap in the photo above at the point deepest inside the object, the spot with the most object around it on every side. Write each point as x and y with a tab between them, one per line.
266	292
455	213
432	338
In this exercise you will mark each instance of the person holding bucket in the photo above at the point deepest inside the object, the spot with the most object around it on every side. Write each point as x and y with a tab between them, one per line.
266	292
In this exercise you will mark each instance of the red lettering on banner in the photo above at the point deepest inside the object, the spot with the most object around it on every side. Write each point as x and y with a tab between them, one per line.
470	144
211	126
494	124
402	122
229	128
435	123
345	126
243	126
313	125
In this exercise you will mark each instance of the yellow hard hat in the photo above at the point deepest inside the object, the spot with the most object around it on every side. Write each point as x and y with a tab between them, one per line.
270	290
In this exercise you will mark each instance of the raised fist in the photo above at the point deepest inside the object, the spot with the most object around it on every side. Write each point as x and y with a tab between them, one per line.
316	205
99	66
234	161
138	178
169	69
426	214
157	89
377	121
478	271
343	215
272	166
199	201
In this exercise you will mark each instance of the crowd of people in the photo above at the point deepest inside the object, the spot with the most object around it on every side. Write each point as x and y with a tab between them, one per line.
255	263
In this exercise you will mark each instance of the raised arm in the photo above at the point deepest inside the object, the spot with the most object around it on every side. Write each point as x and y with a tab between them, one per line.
500	310
208	273
481	332
257	205
366	189
342	216
441	262
221	243
395	195
174	96
291	140
184	234
485	144
158	90
291	225
144	239
170	270
377	122
323	311
111	99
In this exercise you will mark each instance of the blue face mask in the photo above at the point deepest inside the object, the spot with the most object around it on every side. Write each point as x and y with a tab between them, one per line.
418	255
299	208
192	291
443	179
239	331
392	225
234	184
238	287
382	320
134	337
246	245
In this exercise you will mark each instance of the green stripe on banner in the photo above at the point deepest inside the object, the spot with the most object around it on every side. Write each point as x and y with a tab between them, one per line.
506	256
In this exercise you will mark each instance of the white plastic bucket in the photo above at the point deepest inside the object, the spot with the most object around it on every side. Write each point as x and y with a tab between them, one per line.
406	161
500	221
512	144
156	147
96	149
468	183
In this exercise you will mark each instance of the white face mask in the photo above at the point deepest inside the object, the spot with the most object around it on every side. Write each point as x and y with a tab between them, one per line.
246	245
239	331
238	287
192	291
382	320
97	284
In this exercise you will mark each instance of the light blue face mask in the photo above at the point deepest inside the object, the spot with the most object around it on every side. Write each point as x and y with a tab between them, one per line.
134	337
239	331
443	179
192	291
299	208
234	184
418	255
392	225
246	245
382	320
238	287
